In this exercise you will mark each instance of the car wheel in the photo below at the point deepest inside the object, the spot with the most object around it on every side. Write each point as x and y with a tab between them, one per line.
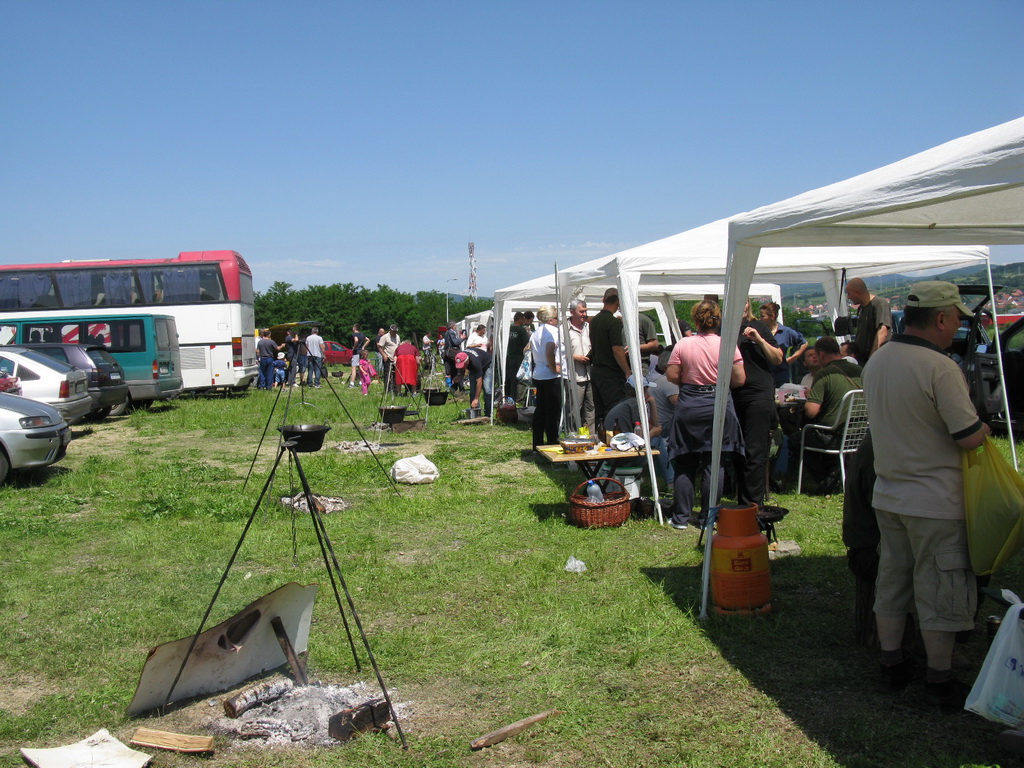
99	415
121	409
5	467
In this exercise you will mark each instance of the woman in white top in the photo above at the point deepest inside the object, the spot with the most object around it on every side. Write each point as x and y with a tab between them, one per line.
547	377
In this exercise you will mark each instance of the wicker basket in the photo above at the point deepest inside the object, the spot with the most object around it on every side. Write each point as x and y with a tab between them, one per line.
611	512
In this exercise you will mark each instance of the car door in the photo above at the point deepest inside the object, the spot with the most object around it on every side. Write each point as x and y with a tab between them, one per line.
974	351
1012	342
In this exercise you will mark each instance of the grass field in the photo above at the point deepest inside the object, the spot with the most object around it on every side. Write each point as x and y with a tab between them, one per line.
463	590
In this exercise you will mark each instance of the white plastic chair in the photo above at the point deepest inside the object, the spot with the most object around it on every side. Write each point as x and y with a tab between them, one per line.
852	425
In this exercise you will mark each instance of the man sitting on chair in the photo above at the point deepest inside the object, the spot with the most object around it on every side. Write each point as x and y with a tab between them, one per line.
835	377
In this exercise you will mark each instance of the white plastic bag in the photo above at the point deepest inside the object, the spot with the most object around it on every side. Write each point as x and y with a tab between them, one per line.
998	693
572	565
415	469
625	441
525	373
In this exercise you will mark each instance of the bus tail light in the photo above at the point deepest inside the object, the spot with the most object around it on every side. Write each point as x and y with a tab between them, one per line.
156	370
236	351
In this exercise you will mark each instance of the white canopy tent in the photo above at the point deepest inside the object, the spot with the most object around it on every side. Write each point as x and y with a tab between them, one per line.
542	290
654	295
970	190
663	266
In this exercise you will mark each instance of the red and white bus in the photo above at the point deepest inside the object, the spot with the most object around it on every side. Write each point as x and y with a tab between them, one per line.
209	294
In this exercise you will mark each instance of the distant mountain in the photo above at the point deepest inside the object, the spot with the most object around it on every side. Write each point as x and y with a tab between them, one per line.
1010	276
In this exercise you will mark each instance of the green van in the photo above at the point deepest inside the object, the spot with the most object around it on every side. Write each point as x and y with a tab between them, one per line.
146	346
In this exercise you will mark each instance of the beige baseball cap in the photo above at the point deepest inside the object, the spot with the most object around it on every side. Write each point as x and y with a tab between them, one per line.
936	293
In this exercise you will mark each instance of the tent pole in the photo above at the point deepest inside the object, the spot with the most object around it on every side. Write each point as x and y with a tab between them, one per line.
999	361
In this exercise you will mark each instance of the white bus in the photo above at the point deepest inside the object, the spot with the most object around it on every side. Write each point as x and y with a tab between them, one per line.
208	293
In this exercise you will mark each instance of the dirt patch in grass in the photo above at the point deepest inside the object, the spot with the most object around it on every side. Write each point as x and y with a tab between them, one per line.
19	692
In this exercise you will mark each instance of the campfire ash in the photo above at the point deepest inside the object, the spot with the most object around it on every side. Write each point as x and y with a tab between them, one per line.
301	717
357	446
324	504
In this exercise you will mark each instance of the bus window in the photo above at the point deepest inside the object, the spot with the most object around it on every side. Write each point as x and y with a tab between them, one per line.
97	333
33	333
76	288
8	334
27	290
126	336
211	287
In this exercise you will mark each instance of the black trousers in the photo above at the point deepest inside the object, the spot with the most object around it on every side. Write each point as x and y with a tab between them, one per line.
757	419
548	411
609	388
511	383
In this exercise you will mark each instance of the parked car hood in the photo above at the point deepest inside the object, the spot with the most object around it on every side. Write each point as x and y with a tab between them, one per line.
27	407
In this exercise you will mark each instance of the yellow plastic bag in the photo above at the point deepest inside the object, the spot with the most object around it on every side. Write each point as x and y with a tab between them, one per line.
994	505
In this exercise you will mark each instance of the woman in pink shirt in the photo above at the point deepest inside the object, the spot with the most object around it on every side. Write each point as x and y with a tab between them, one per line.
693	365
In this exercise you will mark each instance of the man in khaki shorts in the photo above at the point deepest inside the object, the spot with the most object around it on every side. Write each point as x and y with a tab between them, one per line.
921	420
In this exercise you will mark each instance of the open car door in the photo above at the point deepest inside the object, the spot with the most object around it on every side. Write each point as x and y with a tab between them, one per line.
1012	343
974	350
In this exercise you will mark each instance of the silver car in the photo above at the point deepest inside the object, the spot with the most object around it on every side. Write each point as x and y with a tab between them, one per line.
32	434
49	381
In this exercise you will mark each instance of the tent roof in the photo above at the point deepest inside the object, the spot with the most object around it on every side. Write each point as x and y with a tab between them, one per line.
970	190
702	252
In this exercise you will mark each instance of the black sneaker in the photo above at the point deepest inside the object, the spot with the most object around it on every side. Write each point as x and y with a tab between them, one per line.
948	695
898	676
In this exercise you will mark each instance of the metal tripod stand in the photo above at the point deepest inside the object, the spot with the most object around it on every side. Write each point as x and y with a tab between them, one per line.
333	571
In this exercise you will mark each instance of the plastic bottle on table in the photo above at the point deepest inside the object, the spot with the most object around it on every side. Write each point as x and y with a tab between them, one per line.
594	492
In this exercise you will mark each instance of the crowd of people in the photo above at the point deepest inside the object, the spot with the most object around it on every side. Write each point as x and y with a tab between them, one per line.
918	406
298	360
905	493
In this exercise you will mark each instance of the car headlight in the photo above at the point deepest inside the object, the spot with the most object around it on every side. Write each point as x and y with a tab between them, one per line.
28	422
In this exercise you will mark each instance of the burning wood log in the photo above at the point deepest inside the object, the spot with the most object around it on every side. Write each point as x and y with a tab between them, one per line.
253	697
370	716
495	737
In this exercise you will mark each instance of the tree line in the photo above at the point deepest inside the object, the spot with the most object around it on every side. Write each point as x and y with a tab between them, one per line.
336	308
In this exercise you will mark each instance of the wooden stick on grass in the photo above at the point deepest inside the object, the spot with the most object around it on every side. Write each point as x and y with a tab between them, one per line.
494	737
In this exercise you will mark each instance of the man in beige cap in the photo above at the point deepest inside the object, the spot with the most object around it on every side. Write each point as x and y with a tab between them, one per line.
922	419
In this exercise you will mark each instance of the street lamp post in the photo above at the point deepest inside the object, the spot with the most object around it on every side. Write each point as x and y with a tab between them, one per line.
449	280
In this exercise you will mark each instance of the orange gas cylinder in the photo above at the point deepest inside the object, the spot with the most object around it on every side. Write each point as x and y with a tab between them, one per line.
740	579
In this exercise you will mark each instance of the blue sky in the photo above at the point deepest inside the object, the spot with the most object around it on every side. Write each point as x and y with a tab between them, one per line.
370	142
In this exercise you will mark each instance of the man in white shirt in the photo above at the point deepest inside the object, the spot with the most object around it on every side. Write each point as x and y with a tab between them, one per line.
315	351
579	341
387	346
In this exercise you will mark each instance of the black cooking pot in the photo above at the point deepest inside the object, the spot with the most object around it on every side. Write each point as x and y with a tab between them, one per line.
436	396
308	438
392	414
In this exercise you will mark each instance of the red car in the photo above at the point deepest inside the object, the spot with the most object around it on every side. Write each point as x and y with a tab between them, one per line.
337	354
10	384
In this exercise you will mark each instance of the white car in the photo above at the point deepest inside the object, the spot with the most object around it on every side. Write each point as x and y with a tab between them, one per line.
32	434
49	381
